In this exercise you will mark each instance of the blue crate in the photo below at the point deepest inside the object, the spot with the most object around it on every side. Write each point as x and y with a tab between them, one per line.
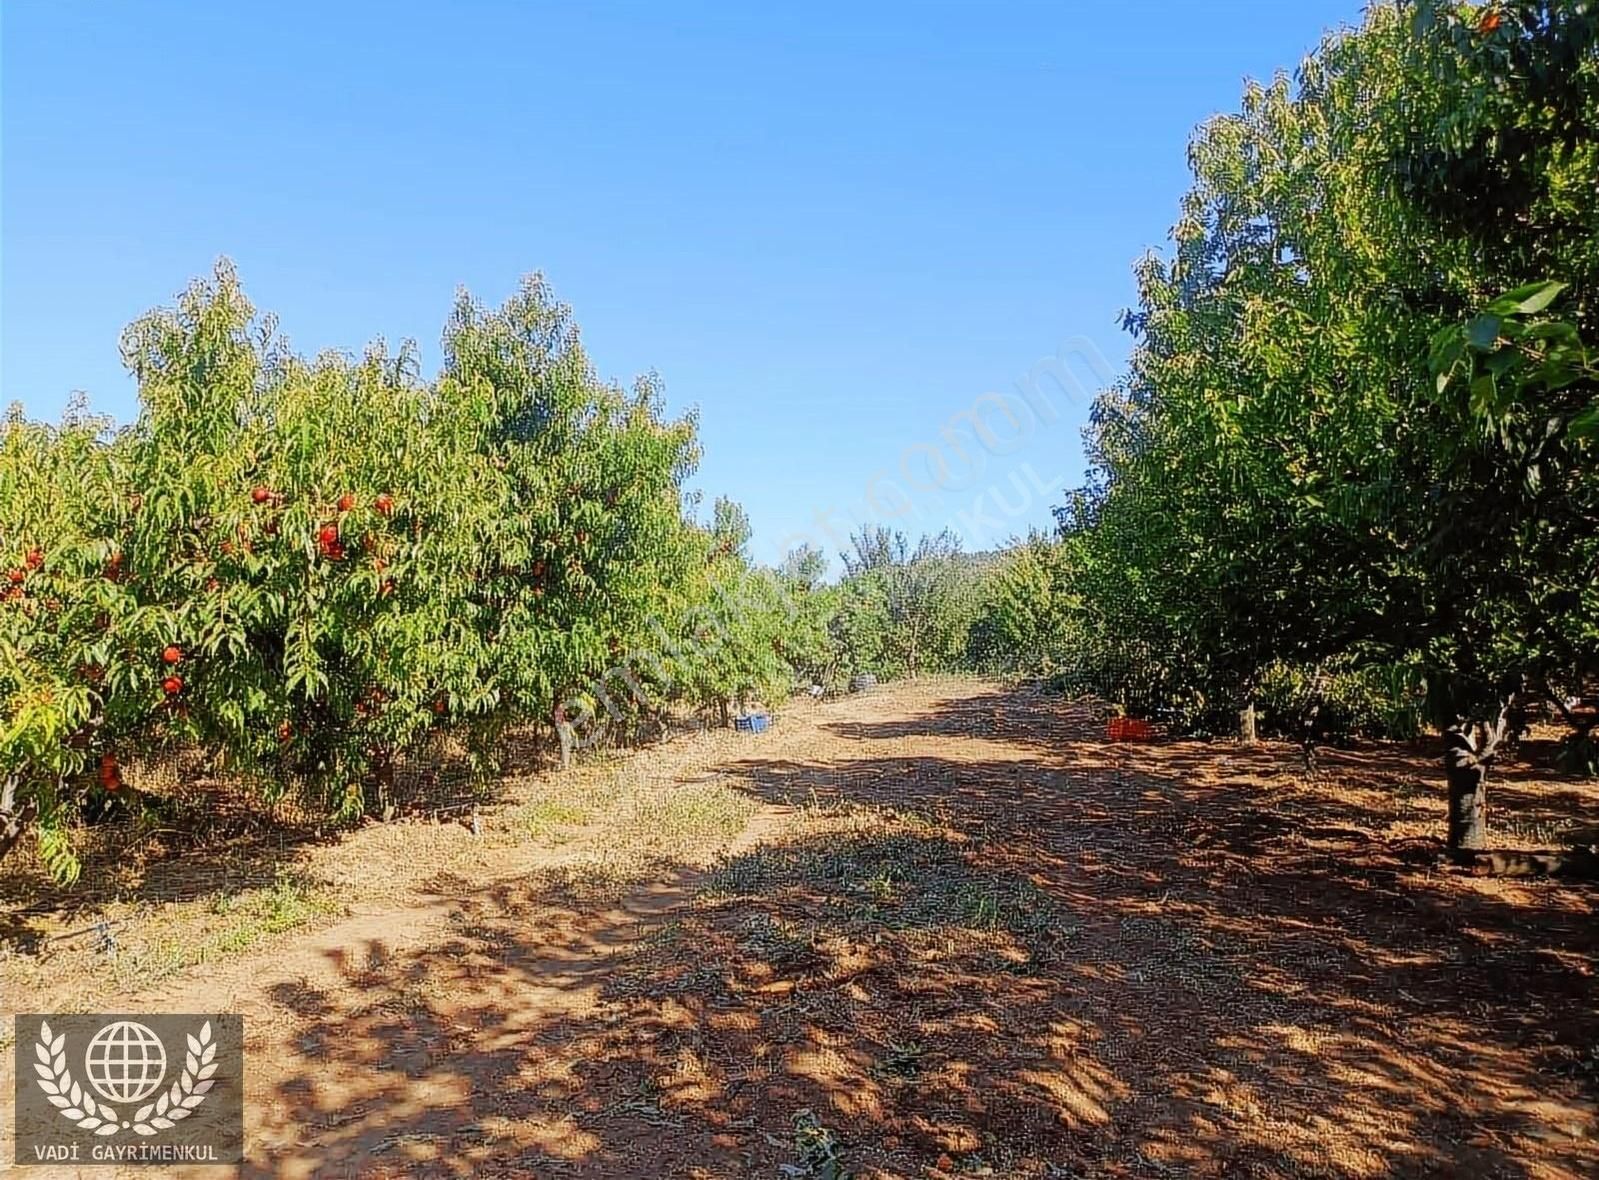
752	723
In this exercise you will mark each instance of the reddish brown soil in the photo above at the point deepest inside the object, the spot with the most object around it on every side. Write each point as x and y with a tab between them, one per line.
969	937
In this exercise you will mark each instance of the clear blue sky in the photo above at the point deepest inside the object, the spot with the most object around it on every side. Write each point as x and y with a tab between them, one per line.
829	227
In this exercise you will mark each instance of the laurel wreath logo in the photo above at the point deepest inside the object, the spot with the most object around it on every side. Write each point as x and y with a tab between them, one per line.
77	1104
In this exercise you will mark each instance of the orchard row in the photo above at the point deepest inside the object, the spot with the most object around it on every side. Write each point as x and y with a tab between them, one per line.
307	567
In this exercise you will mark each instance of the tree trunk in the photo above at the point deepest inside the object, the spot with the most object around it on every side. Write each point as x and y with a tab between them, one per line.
1247	733
1468	795
563	730
14	822
379	792
1307	735
724	712
1467	759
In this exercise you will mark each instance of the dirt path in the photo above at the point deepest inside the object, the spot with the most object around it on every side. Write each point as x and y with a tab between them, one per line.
943	930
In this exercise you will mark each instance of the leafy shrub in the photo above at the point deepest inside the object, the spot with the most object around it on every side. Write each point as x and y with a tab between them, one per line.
1376	701
905	611
306	568
1026	620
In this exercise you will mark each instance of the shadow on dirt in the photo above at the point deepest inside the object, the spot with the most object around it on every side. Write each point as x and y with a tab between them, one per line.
1075	960
179	833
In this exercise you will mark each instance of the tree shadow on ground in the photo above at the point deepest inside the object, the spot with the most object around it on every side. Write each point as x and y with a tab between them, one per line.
1056	962
180	833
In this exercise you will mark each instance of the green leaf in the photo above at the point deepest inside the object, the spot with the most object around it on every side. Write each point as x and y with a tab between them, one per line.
1484	396
1586	424
1527	300
1483	331
1557	331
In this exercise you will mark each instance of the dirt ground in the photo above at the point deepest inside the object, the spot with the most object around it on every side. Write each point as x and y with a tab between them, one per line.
944	929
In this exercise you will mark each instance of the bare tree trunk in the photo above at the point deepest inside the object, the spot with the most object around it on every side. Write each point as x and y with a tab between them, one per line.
1247	733
563	730
380	788
1467	759
1468	797
1579	729
14	820
1307	736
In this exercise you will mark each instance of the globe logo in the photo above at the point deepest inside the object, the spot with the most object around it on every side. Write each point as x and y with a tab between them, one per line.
125	1062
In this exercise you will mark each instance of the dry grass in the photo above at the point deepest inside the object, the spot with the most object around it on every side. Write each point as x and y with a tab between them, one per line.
166	900
238	921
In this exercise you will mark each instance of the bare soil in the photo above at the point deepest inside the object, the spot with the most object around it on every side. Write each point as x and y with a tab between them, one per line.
943	929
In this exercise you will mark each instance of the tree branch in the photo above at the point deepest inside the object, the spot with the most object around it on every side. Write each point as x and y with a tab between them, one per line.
1496	734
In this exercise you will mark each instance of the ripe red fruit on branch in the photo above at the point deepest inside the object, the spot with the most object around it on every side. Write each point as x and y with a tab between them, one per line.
347	502
384	503
1490	21
441	706
261	494
171	654
110	773
285	732
172	685
34	559
18	576
327	539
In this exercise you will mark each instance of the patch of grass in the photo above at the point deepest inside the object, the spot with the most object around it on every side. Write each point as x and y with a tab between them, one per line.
776	942
979	907
902	1062
882	884
897	880
1534	832
641	823
1408	790
547	818
248	917
288	904
820	1152
679	821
